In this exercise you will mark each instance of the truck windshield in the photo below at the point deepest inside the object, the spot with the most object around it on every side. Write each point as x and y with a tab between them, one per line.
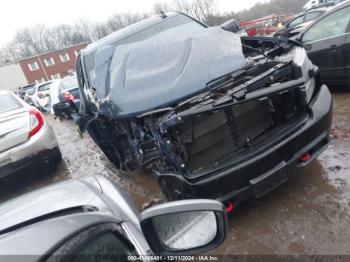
172	26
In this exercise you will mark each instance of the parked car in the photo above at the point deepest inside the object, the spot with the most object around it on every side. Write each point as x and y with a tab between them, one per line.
28	96
22	90
25	137
68	98
327	41
92	219
312	4
294	26
329	4
41	96
213	115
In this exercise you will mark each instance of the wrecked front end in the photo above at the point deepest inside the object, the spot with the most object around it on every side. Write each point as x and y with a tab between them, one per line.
238	139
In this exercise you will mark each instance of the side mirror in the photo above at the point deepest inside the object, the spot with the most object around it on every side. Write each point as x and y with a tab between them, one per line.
186	227
231	25
308	47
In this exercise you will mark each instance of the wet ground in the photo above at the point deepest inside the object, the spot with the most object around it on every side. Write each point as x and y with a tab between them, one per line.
310	214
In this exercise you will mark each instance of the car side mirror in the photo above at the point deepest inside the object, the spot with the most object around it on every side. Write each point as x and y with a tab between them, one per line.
186	227
308	47
231	25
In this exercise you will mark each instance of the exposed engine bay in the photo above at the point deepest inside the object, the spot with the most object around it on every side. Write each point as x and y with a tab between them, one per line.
215	128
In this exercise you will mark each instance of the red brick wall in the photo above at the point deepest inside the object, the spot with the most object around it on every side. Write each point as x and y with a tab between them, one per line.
62	68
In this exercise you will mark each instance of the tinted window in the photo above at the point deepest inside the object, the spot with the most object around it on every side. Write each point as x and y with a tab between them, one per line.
31	91
108	245
25	88
330	26
8	103
297	21
69	84
312	16
44	87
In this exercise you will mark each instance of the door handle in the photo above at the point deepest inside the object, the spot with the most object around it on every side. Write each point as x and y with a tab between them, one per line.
333	48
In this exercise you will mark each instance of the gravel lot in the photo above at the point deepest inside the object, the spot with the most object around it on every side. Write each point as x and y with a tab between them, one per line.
310	214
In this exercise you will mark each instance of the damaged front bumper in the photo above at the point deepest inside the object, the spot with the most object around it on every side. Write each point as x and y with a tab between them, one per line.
270	165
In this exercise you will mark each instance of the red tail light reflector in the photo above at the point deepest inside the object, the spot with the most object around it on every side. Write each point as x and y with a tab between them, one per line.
36	121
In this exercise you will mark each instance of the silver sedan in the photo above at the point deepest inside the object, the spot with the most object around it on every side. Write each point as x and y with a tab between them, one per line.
25	137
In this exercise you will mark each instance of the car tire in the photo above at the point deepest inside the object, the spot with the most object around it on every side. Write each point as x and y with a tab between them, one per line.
54	160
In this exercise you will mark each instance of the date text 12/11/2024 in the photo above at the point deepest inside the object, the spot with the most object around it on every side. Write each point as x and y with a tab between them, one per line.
173	258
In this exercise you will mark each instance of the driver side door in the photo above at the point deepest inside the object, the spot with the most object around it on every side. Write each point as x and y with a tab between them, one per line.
326	45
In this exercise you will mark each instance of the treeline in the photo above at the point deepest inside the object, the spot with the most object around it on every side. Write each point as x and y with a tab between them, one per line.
272	7
39	39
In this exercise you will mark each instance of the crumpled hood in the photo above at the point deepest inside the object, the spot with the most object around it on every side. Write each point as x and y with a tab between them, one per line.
159	72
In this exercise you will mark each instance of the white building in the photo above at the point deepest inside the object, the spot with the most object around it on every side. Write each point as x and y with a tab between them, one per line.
12	76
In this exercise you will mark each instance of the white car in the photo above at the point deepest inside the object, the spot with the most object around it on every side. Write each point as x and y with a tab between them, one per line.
28	96
25	137
41	96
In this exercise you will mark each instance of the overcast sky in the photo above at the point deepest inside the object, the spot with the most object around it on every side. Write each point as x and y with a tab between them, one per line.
17	14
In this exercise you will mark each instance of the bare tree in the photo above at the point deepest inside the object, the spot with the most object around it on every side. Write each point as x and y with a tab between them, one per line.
183	6
202	10
8	54
161	7
39	39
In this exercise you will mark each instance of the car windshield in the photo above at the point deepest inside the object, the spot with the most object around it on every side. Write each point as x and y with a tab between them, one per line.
8	103
296	21
176	25
31	91
69	83
44	87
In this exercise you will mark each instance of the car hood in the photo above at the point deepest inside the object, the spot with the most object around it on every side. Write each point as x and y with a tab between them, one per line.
46	201
136	78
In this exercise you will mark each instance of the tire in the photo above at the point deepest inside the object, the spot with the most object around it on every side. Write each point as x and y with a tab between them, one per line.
54	160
